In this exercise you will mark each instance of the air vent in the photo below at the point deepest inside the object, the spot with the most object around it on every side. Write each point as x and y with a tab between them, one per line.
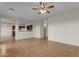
11	9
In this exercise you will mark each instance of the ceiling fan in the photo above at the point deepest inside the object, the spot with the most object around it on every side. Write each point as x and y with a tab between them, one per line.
43	8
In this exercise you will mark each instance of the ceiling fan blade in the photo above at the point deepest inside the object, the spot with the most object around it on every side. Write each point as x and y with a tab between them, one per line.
40	3
39	13
48	11
35	8
50	6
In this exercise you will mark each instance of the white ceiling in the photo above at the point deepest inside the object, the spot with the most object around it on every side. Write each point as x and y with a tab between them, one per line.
23	10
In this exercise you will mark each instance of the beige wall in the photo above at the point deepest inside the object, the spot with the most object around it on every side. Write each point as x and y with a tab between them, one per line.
64	28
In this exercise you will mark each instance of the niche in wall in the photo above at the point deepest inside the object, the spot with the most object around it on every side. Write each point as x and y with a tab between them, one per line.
25	27
29	27
21	27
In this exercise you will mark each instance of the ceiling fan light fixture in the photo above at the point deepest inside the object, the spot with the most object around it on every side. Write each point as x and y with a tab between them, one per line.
43	8
43	11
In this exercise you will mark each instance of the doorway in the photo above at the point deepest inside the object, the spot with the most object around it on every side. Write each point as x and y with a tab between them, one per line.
45	29
13	31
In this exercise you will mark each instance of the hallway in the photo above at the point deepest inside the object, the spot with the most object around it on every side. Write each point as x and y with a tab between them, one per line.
37	47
